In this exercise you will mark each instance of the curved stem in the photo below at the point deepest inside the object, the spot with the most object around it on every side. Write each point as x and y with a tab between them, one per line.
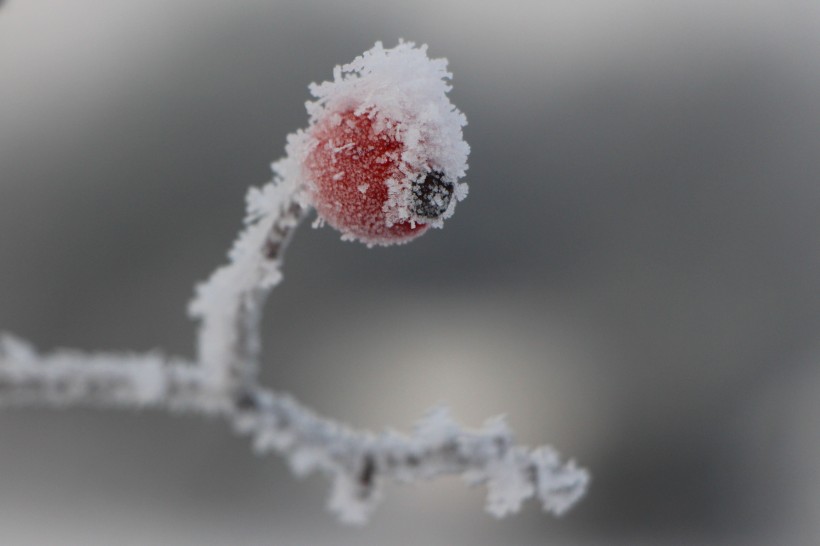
229	304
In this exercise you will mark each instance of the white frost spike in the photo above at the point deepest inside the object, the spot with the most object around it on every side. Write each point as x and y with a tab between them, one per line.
222	380
16	349
437	427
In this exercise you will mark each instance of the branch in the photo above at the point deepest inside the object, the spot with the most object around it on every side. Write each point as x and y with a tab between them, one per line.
229	304
358	462
75	378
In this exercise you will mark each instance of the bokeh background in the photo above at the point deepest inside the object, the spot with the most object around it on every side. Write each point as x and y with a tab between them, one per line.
633	279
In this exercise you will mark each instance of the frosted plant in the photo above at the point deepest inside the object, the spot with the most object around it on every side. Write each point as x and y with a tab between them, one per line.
380	161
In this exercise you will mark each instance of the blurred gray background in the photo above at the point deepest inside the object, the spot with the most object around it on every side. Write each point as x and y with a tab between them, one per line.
635	277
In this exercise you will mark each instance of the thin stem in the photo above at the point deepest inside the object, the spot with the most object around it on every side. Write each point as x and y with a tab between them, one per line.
229	304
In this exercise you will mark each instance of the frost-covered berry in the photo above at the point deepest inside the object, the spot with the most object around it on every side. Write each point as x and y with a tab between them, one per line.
382	156
352	168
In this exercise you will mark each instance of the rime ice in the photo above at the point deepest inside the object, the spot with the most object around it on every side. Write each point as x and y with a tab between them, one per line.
382	156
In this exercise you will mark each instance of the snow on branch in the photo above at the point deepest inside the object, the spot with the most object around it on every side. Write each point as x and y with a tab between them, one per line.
229	304
380	161
358	462
69	377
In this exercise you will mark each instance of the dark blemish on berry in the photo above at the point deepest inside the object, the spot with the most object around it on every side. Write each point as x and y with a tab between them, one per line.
431	195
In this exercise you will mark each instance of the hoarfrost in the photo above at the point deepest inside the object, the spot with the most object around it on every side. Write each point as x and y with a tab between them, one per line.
508	484
351	501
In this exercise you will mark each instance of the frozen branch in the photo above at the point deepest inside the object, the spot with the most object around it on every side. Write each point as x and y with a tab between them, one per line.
359	463
420	154
69	378
229	304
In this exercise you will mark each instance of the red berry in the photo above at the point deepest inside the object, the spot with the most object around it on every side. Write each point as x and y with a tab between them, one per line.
382	156
356	174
